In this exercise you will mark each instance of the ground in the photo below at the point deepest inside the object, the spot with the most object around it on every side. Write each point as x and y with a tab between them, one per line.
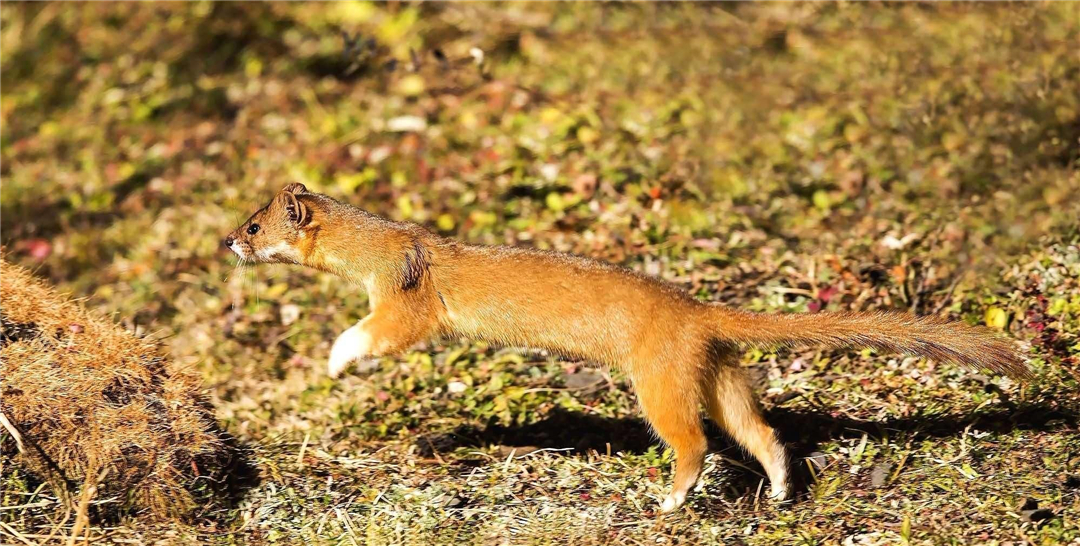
779	157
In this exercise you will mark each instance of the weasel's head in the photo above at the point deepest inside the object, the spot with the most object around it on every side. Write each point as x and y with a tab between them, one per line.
275	232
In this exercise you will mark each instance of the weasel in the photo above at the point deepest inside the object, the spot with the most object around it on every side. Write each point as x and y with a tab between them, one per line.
680	353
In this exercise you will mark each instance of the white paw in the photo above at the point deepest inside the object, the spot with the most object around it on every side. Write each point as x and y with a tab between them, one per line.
352	344
778	493
672	502
334	367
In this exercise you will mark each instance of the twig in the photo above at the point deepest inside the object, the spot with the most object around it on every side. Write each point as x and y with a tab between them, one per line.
922	276
46	538
948	295
303	448
786	290
963	448
38	504
545	450
45	465
15	533
82	517
56	528
434	451
506	465
14	432
347	524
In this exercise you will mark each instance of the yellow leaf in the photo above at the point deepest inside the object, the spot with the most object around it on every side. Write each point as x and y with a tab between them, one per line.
411	85
353	12
276	290
483	219
822	200
587	135
253	67
996	318
469	120
405	206
549	116
555	202
968	472
452	356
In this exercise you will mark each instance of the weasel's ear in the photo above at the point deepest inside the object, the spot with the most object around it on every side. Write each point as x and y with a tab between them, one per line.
295	208
295	188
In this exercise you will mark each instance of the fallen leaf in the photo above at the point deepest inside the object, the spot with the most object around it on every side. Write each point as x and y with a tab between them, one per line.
880	474
996	318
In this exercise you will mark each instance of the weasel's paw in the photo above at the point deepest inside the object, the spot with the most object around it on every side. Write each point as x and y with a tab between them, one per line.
363	364
352	344
672	502
335	367
779	493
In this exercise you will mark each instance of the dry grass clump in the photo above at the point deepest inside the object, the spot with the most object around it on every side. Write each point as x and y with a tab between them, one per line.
95	405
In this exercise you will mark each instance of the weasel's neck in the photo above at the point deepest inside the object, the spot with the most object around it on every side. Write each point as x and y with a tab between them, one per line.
357	246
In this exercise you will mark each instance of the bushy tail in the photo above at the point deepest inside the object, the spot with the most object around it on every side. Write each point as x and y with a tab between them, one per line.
928	336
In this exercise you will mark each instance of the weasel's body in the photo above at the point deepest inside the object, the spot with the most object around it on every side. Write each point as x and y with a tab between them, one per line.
552	301
679	352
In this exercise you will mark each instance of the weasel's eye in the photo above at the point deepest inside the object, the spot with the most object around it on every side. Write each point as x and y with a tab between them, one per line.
253	229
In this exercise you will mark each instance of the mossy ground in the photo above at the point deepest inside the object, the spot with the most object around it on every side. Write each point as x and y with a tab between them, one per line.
781	157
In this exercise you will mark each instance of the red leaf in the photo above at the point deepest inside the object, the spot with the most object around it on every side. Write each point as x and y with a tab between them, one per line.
826	294
39	249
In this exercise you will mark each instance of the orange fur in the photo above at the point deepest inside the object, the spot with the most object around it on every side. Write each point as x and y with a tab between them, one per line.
680	353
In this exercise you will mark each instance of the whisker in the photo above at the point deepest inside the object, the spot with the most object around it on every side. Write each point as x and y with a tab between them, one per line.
256	271
246	280
232	300
232	271
249	283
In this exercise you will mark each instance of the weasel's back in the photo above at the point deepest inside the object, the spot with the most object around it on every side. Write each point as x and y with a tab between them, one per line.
560	302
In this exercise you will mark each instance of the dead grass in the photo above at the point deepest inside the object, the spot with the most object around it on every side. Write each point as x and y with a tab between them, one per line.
99	408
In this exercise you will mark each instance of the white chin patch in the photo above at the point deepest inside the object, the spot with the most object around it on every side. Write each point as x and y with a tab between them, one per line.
239	252
280	251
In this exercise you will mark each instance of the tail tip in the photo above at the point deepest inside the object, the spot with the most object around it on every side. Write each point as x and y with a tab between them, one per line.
1009	359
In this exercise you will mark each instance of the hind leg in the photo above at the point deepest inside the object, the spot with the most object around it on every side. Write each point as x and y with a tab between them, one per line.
731	403
671	405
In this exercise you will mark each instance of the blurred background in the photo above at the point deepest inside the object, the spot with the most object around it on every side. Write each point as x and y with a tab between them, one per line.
780	157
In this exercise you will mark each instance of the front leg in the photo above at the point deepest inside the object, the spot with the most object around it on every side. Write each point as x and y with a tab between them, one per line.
387	330
353	344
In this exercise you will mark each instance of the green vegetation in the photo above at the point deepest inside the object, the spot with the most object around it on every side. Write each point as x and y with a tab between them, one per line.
780	157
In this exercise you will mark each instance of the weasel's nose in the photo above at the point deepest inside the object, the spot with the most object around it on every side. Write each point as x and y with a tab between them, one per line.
229	241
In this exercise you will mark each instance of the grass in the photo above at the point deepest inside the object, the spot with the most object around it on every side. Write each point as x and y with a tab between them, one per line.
780	157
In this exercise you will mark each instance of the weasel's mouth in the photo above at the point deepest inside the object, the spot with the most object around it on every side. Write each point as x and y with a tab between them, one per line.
239	251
